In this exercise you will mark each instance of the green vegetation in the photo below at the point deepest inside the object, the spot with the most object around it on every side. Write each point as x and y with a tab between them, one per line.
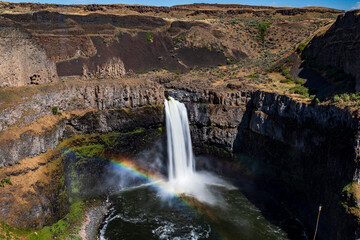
286	73
149	36
88	151
350	194
230	60
347	97
55	111
262	27
251	76
65	228
142	72
299	81
4	182
298	89
301	46
10	233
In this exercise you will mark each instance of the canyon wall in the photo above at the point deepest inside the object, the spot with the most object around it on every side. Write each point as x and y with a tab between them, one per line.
296	148
17	144
339	46
22	60
41	182
31	128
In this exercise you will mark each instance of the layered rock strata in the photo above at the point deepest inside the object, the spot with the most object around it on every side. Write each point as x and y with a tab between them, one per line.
22	60
39	181
27	141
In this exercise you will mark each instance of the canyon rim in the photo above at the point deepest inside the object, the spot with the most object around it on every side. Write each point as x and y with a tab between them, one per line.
272	100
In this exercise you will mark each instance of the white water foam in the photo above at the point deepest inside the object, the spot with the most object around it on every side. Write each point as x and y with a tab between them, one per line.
183	179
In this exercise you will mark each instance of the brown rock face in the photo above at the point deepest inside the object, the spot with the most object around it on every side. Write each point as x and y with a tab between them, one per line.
22	61
340	46
39	192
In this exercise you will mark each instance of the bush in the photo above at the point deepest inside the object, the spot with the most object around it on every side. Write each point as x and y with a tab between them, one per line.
299	81
345	97
5	181
336	98
298	89
149	36
285	72
286	80
55	110
302	46
251	76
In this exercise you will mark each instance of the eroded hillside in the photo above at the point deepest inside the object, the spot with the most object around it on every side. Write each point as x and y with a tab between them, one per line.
244	73
118	39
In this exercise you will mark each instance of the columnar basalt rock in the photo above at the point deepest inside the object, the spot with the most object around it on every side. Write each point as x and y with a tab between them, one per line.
43	191
22	61
339	46
294	145
113	68
83	95
100	98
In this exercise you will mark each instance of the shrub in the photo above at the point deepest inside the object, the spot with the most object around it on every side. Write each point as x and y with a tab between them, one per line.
336	98
299	81
302	46
285	72
55	110
298	89
286	80
5	181
251	76
149	36
345	97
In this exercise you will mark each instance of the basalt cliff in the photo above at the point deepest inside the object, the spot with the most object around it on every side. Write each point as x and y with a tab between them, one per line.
258	82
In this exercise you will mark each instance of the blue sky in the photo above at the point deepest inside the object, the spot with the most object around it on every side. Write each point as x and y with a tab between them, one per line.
338	4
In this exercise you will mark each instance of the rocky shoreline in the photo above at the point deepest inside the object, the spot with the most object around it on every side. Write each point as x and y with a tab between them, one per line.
94	216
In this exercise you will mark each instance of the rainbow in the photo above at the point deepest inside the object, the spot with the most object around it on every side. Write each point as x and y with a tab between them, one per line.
150	178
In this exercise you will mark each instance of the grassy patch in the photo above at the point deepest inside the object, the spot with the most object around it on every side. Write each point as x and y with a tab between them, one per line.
65	228
251	76
5	181
149	36
301	90
353	98
301	47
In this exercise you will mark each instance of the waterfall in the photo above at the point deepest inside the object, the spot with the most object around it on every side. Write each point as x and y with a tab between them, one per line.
181	163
